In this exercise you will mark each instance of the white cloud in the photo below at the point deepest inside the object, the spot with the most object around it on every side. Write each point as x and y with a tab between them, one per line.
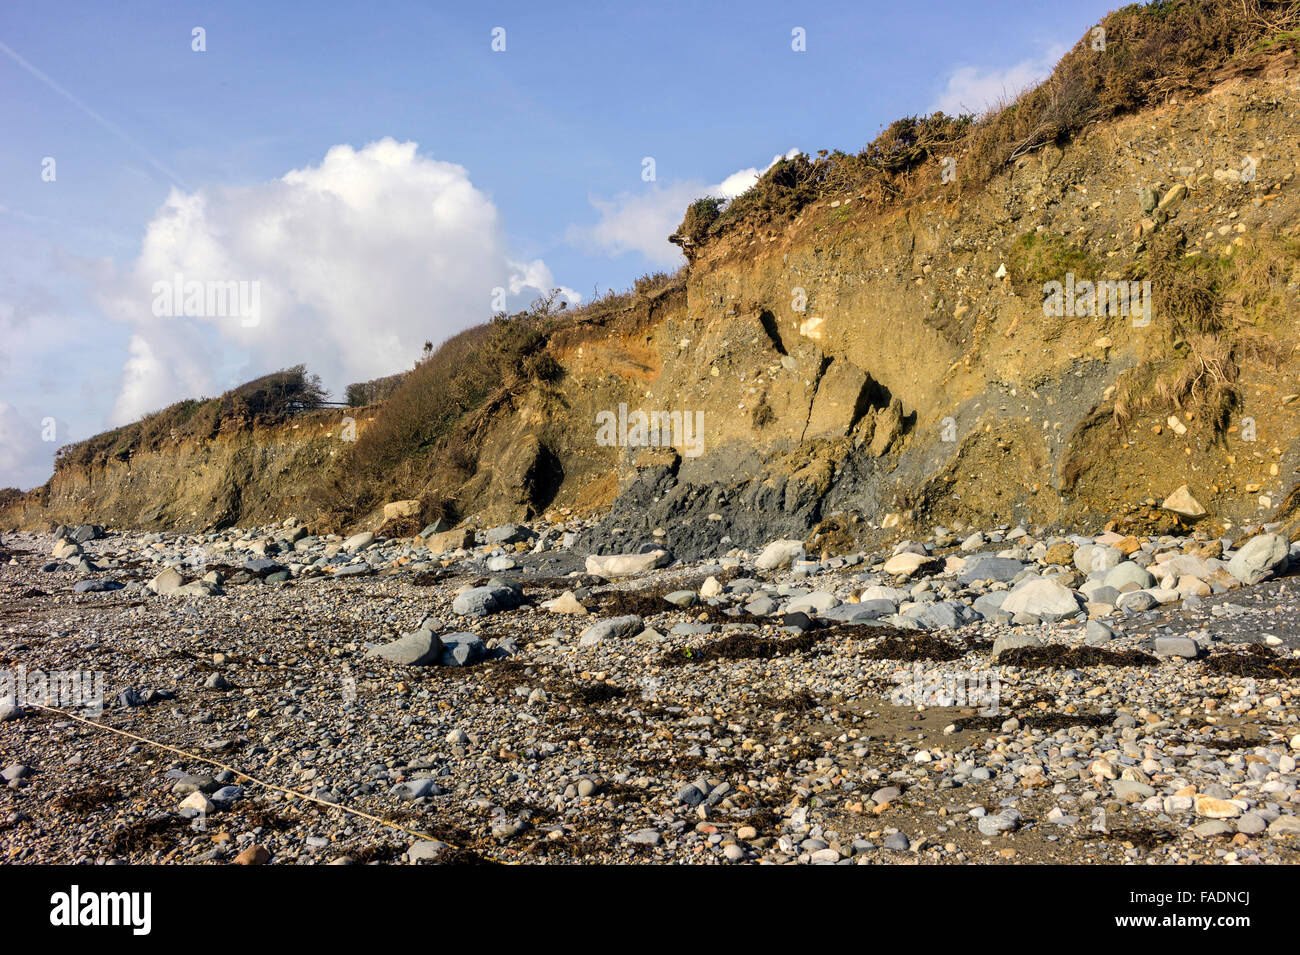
25	460
641	221
357	260
536	275
972	89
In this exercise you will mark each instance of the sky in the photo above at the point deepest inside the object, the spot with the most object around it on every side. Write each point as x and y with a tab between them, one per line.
195	194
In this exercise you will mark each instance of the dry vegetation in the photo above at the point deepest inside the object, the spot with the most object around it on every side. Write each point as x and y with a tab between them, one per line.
1152	52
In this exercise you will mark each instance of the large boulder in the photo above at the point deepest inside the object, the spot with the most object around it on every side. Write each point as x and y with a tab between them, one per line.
168	582
358	542
625	565
1183	504
990	567
1259	558
1042	598
462	538
1094	558
506	534
1013	641
611	629
778	554
461	649
908	564
421	648
481	601
1127	575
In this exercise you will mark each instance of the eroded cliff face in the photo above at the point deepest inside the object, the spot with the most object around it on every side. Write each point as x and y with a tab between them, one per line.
852	374
245	475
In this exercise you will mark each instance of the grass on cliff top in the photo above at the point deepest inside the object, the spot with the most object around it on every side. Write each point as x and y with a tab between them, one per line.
1151	52
267	399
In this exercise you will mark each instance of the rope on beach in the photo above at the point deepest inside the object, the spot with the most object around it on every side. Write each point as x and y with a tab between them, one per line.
259	782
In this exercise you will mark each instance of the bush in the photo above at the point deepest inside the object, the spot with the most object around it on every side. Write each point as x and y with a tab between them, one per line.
700	216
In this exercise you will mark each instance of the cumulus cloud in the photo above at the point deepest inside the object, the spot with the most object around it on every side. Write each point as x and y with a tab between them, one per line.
641	221
25	459
347	266
972	89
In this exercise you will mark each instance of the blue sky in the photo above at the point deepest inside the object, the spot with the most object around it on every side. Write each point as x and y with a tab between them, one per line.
528	170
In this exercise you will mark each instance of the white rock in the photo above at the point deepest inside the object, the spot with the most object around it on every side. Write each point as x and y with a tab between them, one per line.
779	553
624	565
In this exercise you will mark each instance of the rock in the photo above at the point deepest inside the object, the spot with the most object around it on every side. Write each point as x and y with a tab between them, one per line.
779	553
1044	599
95	586
992	825
1216	808
906	564
1177	647
1128	575
1183	504
611	629
1097	633
443	541
645	837
990	567
625	565
566	603
482	601
461	649
457	737
507	534
710	588
838	401
168	582
420	648
498	564
1096	557
437	527
860	612
1252	823
1285	826
426	850
87	532
896	842
1211	828
691	795
1060	553
682	598
1173	196
358	542
395	509
1260	558
1010	641
198	802
1124	788
253	855
14	771
818	601
1136	601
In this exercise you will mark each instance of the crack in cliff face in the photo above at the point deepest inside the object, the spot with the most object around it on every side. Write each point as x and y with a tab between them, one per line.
768	321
